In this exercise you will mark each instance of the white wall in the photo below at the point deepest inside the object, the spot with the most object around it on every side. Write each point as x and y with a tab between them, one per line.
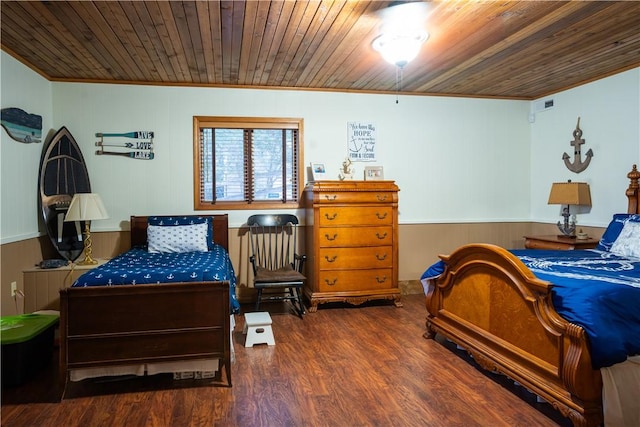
454	159
24	89
609	111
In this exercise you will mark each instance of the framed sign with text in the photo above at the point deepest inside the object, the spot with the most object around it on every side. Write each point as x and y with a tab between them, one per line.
361	141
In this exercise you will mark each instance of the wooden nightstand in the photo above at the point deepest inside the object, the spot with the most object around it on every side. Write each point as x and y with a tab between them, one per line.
42	286
559	243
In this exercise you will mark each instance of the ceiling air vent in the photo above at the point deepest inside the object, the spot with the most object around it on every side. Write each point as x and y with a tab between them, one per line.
543	105
540	106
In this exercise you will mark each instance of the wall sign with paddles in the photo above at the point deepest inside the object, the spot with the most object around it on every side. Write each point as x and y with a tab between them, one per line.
141	148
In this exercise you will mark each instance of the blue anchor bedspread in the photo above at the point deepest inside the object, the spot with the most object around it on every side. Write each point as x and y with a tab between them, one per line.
139	267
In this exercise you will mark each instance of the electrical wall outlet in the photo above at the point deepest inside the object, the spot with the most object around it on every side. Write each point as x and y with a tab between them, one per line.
14	289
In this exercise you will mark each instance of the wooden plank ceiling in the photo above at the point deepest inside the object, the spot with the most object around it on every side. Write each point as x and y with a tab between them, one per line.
504	49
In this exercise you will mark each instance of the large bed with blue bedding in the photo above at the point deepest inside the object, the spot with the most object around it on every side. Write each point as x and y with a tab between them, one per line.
163	306
556	322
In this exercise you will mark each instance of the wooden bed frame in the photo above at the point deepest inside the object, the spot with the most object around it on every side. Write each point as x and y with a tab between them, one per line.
123	325
488	302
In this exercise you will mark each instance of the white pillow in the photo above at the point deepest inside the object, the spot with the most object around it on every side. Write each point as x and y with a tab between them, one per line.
628	242
177	238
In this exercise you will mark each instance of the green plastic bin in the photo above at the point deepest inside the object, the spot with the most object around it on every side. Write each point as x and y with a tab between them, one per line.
27	346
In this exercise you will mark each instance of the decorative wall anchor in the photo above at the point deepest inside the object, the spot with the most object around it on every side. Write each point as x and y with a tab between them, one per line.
143	145
578	165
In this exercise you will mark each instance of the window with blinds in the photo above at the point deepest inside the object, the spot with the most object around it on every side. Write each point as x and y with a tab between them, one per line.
247	163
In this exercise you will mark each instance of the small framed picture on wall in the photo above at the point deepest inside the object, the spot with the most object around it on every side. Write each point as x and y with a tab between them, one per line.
318	172
373	173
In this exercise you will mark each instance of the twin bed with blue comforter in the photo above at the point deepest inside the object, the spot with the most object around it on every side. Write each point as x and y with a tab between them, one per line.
171	258
163	306
557	322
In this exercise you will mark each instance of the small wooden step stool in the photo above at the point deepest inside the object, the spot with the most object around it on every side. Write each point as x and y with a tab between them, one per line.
257	326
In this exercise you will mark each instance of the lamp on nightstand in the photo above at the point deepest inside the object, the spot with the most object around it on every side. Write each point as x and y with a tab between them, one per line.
569	193
86	207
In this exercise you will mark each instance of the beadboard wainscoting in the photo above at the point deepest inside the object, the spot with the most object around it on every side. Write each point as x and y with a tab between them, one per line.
419	246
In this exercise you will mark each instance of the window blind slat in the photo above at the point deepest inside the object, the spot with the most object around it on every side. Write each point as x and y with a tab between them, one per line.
248	156
294	164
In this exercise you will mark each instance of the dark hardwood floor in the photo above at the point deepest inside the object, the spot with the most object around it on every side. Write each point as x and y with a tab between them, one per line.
341	366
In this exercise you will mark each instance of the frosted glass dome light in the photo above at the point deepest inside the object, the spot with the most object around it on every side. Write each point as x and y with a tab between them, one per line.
401	48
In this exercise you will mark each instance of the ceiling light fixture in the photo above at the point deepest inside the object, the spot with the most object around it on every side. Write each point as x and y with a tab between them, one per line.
402	35
400	49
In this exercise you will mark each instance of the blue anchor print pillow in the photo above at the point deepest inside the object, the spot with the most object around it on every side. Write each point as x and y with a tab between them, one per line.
178	238
172	221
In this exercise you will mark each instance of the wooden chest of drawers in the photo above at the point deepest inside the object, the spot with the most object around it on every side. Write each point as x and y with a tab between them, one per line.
352	242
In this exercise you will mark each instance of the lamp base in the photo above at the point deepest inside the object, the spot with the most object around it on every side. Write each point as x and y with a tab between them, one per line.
87	261
568	229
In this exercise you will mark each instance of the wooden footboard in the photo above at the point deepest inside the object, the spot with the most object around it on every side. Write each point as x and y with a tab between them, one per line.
490	303
119	325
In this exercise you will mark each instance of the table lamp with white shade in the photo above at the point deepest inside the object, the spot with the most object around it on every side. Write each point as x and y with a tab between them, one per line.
86	207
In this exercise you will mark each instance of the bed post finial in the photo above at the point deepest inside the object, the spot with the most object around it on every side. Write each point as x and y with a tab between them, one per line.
632	191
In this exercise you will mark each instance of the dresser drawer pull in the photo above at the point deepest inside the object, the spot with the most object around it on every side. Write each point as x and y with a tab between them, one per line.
381	236
381	257
381	216
330	260
329	238
330	197
381	198
332	283
332	217
384	279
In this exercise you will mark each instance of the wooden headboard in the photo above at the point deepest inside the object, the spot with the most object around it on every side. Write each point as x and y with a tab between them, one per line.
633	190
220	229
